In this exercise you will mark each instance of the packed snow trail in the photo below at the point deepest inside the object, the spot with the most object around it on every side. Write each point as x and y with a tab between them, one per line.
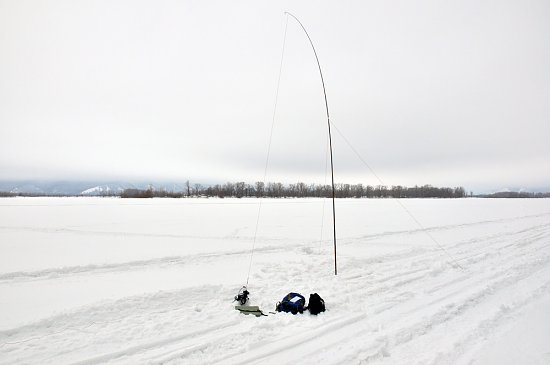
396	300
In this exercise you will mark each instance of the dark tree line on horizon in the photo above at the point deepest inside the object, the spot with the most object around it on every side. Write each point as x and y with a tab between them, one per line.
515	194
300	190
297	190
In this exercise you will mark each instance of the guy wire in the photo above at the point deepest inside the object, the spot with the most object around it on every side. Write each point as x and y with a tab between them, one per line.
397	200
268	152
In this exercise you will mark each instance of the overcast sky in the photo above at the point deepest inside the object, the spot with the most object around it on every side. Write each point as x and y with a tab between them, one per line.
428	92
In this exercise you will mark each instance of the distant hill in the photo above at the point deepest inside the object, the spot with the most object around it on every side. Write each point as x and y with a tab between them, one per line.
87	188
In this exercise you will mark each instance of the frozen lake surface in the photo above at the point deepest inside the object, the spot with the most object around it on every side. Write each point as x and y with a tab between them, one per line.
122	281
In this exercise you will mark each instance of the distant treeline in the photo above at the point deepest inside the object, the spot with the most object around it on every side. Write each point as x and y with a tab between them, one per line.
297	190
301	190
515	194
150	193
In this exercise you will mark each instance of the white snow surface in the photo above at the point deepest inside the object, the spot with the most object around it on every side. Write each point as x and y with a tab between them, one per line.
151	281
96	189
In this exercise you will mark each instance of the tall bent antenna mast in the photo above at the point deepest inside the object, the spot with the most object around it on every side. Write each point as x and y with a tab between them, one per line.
329	138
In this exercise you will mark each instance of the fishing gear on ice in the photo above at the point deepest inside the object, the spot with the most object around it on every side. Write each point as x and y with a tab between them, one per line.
250	309
242	296
316	304
292	302
296	303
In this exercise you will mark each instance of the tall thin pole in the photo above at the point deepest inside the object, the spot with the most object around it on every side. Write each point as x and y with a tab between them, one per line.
329	138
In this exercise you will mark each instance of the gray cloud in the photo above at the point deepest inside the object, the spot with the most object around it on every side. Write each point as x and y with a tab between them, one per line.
427	91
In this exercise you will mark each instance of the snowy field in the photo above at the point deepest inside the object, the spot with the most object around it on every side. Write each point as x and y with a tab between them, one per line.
97	280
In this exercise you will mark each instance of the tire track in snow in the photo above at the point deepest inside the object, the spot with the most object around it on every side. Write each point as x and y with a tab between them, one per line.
379	348
286	344
385	282
106	357
500	281
446	227
56	273
422	268
467	304
469	301
115	233
463	281
397	276
487	326
447	313
115	320
177	260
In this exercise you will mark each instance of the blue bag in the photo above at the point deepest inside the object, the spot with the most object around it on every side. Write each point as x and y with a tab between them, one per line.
292	302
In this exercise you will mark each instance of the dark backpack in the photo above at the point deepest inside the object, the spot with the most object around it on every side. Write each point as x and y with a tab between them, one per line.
292	302
316	304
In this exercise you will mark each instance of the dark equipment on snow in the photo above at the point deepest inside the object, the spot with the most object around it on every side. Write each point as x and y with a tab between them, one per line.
316	304
250	309
292	302
242	296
